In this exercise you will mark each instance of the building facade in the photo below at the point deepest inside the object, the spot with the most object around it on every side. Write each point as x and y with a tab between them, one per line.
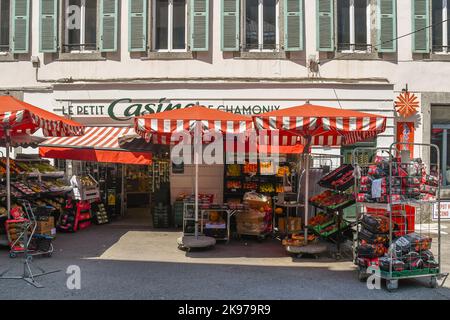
102	62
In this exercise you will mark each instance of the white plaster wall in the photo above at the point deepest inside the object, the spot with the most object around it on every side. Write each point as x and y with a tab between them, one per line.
420	75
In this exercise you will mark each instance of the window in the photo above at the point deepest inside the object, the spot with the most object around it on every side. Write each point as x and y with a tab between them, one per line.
4	25
441	27
81	26
353	23
261	25
169	25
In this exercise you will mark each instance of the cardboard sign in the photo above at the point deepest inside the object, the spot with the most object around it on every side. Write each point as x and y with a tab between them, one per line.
445	210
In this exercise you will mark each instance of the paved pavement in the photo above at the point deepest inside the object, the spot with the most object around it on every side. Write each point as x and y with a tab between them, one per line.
122	261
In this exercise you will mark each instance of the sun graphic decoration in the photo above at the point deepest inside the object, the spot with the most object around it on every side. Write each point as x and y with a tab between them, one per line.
407	104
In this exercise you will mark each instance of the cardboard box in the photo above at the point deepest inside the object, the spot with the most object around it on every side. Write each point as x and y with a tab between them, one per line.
294	224
46	227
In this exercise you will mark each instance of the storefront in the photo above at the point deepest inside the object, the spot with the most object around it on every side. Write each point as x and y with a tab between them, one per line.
117	104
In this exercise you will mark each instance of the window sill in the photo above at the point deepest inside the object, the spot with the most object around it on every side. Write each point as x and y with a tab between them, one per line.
356	56
88	56
274	55
8	57
153	55
440	56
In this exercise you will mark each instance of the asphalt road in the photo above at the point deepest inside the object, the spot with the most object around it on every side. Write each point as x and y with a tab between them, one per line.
124	262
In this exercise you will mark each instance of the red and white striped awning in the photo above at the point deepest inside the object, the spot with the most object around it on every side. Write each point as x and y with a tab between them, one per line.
166	127
100	144
20	117
325	126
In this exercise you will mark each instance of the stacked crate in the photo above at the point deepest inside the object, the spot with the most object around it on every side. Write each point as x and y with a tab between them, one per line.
178	207
161	216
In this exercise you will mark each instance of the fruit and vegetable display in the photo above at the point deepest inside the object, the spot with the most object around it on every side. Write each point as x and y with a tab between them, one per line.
250	185
319	219
13	167
23	167
283	170
266	168
340	179
298	240
234	184
332	200
250	168
87	181
266	187
234	170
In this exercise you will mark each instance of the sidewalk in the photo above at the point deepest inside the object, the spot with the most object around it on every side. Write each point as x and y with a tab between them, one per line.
118	263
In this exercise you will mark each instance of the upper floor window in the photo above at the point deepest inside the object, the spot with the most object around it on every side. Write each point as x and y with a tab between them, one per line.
353	20
261	25
353	23
80	26
170	25
86	26
441	27
4	25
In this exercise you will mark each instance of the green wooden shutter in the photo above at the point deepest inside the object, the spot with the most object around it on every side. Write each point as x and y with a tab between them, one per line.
199	25
20	26
293	25
230	25
108	25
325	25
48	26
137	25
387	26
420	19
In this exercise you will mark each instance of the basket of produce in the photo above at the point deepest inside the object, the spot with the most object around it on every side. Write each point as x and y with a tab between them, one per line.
340	179
332	200
234	170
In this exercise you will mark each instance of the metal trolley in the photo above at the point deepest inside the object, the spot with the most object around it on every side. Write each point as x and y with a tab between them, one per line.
409	210
33	244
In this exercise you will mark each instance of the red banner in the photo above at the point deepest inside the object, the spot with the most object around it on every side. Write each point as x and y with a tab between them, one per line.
405	134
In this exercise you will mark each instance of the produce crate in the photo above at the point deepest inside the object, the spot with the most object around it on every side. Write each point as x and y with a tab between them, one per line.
336	175
161	216
177	208
409	273
319	228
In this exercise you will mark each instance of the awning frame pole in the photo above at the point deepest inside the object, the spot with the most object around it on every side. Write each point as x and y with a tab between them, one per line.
8	173
196	160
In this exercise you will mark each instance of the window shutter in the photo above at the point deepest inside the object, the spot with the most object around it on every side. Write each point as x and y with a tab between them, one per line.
48	26
199	25
420	19
230	25
387	26
108	25
293	25
21	25
137	25
325	25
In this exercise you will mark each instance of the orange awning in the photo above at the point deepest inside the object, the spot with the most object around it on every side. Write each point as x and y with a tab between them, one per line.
98	144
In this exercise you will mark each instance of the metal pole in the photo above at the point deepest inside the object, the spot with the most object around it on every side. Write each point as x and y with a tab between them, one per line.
196	160
306	155
8	174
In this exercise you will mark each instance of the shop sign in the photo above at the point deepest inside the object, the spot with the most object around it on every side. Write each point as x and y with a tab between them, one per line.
407	104
445	210
125	108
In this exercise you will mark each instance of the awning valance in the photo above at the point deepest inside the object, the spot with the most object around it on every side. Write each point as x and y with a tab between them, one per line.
99	144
